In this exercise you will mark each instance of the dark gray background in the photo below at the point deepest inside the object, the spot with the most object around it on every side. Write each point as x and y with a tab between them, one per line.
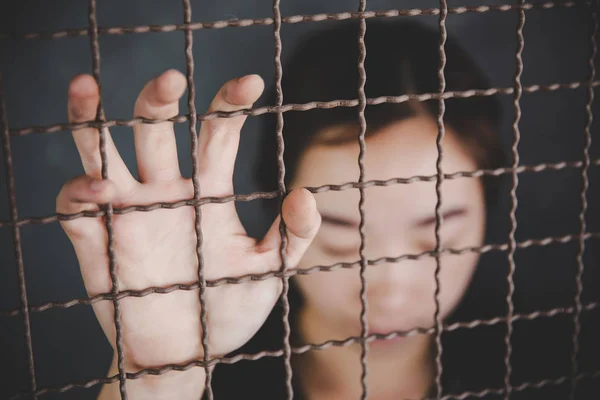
69	345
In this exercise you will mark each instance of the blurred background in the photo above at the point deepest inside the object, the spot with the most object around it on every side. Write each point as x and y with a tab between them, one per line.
68	343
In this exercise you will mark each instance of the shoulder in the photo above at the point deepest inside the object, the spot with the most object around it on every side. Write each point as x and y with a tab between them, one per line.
254	379
473	361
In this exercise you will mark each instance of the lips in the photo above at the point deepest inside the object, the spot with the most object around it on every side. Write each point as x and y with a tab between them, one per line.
382	332
385	341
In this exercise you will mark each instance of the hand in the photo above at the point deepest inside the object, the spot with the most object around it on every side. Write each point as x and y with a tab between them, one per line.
158	248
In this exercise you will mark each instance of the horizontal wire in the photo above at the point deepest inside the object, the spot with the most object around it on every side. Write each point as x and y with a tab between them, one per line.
336	343
292	272
459	94
123	30
523	386
313	189
146	208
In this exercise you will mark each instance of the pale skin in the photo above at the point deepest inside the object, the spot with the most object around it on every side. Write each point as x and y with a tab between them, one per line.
158	248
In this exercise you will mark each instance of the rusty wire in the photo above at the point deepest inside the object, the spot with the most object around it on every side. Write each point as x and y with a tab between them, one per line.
287	349
518	90
584	205
188	26
295	19
343	343
108	208
189	57
362	105
438	193
313	189
299	271
459	94
16	234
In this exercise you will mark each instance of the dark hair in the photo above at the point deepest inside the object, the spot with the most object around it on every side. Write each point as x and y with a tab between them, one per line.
402	58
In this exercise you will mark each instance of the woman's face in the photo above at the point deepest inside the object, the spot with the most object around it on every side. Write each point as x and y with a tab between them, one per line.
399	219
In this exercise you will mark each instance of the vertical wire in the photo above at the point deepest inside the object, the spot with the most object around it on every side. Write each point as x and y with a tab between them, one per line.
584	204
438	191
100	117
287	350
189	57
512	245
362	104
14	216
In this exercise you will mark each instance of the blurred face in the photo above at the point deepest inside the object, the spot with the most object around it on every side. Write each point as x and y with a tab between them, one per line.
400	219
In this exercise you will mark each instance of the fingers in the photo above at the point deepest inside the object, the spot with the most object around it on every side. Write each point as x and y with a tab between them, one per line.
83	104
302	221
155	144
219	138
84	193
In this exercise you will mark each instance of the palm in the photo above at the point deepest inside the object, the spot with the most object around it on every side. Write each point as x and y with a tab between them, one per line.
158	248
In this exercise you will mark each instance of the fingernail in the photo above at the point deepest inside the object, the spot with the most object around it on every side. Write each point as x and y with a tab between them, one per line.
245	78
97	185
225	90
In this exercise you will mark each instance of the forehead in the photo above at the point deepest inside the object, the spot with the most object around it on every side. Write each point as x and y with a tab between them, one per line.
400	150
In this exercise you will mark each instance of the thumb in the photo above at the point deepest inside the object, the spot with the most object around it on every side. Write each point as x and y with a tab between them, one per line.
302	221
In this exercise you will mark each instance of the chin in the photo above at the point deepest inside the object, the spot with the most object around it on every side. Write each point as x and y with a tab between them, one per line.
403	316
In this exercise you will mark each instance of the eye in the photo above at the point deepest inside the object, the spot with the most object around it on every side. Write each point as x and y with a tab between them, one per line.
447	216
338	221
340	251
453	221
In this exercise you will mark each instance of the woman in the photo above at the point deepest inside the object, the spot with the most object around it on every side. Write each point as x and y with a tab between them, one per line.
158	248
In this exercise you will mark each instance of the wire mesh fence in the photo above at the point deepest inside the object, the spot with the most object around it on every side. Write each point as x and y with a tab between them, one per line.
102	123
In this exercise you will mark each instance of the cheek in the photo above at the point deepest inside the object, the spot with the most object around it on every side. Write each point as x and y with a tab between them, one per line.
331	293
323	290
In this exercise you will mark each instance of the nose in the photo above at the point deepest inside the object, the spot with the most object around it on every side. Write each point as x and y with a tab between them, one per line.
388	280
390	254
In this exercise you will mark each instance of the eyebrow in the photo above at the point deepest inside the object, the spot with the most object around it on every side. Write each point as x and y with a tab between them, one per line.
448	214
